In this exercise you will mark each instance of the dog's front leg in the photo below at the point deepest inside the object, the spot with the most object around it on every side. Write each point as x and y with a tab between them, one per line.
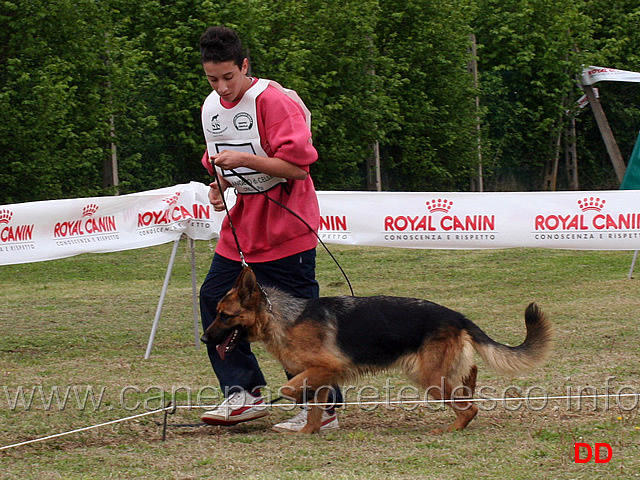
312	387
301	387
297	389
314	416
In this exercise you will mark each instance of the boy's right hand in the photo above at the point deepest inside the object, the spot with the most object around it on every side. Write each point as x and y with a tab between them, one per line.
215	197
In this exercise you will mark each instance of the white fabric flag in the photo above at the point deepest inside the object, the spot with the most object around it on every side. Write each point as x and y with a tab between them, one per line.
591	75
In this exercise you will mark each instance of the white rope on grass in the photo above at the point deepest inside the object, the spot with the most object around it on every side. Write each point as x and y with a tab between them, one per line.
386	402
84	429
455	400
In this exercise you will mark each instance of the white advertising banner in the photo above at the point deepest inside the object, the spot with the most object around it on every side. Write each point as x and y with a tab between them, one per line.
591	75
31	232
603	220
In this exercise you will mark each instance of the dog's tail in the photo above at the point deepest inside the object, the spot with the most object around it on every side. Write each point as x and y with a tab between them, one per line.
533	351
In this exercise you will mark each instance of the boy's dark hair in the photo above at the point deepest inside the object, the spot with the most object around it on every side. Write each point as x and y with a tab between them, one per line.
221	44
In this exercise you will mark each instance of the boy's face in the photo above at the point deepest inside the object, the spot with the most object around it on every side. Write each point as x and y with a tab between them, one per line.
227	79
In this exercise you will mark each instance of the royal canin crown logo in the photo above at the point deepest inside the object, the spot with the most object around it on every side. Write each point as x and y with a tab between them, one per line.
5	216
87	225
89	210
591	203
439	205
173	213
591	219
436	222
173	199
13	233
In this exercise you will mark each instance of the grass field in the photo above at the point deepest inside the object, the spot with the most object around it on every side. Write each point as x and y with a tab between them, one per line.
74	333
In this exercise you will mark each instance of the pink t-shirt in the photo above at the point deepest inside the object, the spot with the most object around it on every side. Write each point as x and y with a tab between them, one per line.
265	230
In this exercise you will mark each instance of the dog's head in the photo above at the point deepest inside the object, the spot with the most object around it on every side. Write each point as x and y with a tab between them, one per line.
238	315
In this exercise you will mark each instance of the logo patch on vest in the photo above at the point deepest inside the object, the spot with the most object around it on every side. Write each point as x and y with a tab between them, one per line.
243	122
216	127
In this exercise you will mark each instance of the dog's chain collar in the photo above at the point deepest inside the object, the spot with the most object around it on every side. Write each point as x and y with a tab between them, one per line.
266	297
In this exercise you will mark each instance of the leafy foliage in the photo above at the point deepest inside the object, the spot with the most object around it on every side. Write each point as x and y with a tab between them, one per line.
428	81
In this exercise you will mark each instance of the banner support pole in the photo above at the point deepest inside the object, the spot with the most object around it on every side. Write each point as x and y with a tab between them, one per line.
605	130
633	264
156	320
194	295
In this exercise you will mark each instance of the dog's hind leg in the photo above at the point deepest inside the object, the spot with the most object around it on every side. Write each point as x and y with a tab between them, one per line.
469	382
465	411
445	369
447	376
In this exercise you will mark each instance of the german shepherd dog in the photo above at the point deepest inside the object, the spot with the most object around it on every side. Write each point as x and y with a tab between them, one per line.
328	340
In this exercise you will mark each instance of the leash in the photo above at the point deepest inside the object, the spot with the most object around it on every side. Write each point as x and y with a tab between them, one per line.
264	194
226	209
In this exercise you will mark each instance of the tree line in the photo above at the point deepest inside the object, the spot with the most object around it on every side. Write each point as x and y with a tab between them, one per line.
88	84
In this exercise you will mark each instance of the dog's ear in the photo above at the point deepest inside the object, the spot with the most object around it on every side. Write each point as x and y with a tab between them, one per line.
246	283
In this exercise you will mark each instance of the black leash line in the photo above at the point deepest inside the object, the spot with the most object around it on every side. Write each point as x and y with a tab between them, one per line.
235	236
226	209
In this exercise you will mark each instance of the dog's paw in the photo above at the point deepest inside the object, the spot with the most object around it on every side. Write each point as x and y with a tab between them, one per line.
309	430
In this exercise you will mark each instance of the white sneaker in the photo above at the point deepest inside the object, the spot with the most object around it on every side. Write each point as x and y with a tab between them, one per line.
295	424
238	407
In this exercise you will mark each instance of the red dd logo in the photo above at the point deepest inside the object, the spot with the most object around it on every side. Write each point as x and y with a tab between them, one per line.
598	446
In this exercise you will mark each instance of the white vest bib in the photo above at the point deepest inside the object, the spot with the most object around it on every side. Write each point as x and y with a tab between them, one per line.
237	129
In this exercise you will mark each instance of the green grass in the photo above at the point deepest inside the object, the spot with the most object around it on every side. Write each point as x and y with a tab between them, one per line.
83	323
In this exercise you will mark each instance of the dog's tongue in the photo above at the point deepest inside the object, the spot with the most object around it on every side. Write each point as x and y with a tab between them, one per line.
221	349
226	346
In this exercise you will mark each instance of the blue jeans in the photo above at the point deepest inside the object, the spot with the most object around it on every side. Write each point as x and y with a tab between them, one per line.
294	275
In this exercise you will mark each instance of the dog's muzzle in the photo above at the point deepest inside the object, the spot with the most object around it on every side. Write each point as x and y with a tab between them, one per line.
227	345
